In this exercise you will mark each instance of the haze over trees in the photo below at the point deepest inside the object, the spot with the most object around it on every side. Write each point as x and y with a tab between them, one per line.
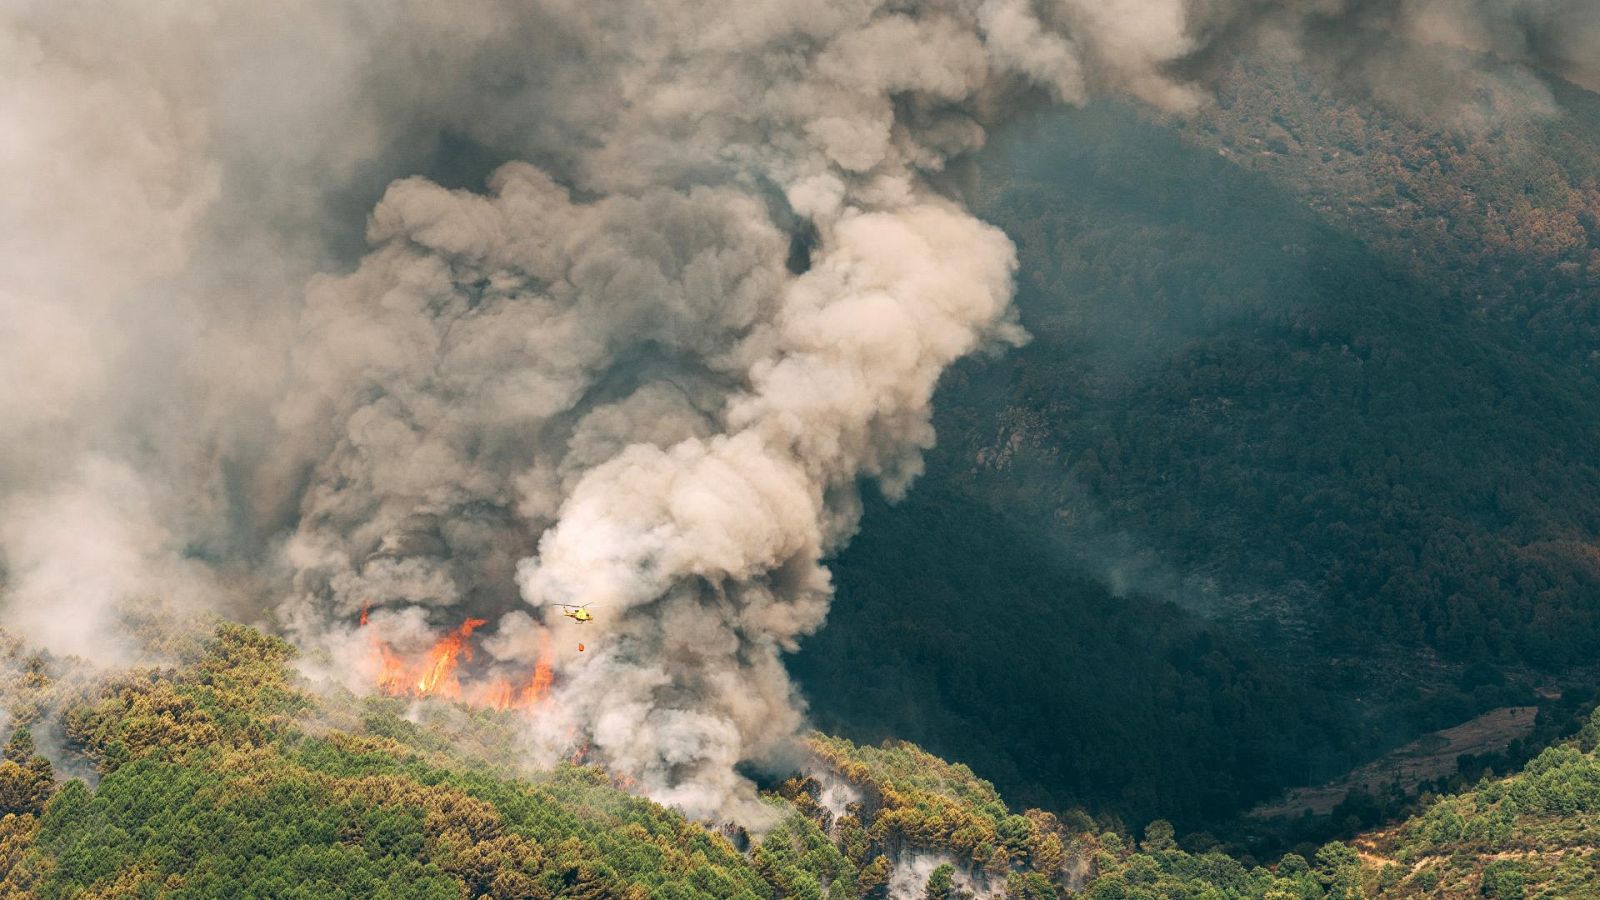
1314	367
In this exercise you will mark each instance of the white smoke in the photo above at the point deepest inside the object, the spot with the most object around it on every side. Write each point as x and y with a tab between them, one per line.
646	368
908	880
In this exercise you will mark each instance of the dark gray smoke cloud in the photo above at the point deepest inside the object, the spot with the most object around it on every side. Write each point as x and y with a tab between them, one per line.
647	367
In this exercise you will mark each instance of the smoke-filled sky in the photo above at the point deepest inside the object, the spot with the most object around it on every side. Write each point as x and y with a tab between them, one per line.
708	288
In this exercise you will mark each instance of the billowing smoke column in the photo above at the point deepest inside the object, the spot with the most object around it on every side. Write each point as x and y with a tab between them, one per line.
671	364
646	369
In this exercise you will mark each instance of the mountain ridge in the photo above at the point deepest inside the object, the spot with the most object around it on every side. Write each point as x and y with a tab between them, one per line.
221	774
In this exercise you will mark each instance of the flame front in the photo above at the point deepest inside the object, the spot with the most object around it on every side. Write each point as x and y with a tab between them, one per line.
435	673
539	685
439	674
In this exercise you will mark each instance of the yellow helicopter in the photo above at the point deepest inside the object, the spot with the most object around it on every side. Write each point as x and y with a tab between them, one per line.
576	613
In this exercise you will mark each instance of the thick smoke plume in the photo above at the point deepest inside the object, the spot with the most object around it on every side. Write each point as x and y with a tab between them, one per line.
711	290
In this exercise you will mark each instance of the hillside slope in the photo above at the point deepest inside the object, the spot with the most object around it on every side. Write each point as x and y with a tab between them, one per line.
961	631
222	776
1534	834
1321	392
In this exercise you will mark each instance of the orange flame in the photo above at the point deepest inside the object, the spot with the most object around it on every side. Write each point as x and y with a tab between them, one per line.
436	673
496	694
366	607
539	684
393	680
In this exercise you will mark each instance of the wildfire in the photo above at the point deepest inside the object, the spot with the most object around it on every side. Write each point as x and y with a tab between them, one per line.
435	673
502	694
439	674
497	694
539	684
